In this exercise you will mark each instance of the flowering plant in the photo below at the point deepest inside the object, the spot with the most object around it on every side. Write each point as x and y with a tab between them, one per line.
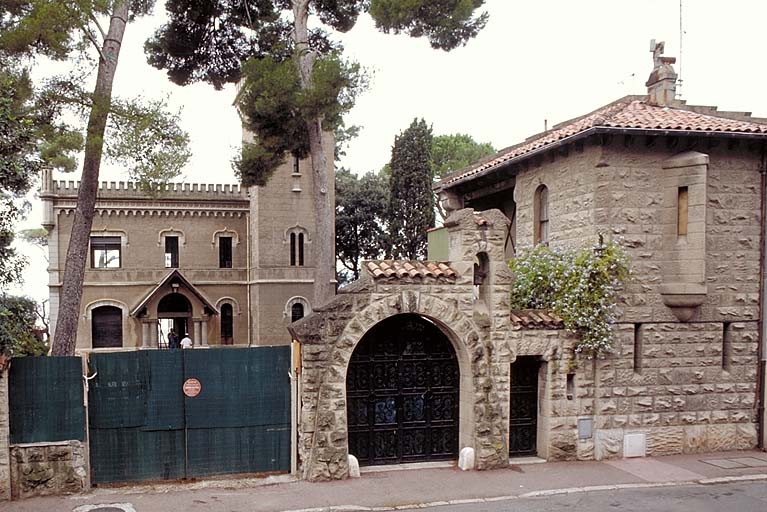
579	285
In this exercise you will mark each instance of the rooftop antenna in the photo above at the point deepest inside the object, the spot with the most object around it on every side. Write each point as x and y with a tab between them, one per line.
679	80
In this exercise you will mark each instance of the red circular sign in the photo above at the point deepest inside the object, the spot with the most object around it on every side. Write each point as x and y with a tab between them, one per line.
192	387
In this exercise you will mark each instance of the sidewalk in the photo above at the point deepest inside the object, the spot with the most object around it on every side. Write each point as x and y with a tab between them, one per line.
410	488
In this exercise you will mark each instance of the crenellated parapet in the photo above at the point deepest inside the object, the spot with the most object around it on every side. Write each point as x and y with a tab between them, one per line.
132	190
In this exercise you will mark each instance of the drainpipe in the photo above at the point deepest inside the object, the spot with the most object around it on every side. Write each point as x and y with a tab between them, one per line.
761	371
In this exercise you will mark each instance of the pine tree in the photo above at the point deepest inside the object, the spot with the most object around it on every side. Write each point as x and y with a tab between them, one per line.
411	204
292	110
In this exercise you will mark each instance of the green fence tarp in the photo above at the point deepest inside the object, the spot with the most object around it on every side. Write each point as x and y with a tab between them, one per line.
135	455
239	387
143	427
46	399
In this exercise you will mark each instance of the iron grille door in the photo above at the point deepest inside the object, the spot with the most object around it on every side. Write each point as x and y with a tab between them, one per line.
524	406
402	394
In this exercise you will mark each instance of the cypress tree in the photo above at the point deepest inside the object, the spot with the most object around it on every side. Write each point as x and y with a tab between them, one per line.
411	204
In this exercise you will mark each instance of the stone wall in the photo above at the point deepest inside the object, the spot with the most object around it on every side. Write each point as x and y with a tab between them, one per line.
692	385
5	434
42	469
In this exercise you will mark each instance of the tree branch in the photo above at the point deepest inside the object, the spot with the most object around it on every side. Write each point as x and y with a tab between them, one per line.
93	40
98	26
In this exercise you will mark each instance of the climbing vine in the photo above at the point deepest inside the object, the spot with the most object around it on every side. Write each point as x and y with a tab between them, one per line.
580	285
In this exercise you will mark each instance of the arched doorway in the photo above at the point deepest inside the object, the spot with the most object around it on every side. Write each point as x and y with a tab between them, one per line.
107	327
402	394
173	312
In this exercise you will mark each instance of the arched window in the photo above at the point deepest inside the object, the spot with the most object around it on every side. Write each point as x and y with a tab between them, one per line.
296	308
296	312
227	324
541	215
106	327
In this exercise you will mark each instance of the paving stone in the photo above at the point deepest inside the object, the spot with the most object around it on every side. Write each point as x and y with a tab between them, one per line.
724	463
751	462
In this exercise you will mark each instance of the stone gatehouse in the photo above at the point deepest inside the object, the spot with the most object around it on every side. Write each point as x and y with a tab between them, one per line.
417	360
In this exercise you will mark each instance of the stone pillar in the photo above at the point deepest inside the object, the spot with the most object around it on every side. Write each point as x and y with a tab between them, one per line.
196	336
5	456
153	333
145	342
204	337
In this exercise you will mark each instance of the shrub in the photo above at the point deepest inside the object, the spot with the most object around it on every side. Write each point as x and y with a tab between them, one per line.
578	285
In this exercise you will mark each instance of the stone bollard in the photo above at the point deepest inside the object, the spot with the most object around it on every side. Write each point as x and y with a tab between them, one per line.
354	467
466	459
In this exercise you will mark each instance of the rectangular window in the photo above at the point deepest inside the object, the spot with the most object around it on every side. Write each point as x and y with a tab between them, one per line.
105	251
171	252
225	252
292	249
682	204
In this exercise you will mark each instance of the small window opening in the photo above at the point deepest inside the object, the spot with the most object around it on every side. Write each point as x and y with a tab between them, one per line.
171	252
570	386
682	211
300	249
726	346
638	347
296	312
225	252
292	249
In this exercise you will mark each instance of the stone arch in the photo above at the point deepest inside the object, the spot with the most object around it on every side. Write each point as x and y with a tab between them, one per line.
328	439
231	301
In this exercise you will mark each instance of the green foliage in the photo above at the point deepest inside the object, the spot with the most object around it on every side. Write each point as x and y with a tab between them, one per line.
446	23
579	285
209	40
30	138
274	105
19	335
147	140
450	153
36	236
361	208
411	202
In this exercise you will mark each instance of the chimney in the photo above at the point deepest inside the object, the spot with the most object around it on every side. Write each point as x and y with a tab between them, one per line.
661	86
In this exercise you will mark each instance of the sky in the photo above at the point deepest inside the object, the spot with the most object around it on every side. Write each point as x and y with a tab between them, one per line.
536	62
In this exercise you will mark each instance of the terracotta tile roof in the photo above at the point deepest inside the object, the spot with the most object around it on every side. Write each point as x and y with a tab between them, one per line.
403	269
536	319
629	112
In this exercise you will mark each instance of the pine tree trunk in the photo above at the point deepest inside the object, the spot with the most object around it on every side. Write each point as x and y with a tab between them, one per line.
324	213
65	338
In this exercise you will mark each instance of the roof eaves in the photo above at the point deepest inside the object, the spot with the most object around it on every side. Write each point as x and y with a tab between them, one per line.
597	130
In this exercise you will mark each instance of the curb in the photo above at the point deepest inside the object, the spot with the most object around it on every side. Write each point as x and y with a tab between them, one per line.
536	494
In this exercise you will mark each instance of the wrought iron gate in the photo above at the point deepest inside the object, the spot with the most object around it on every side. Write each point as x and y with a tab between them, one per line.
524	406
402	394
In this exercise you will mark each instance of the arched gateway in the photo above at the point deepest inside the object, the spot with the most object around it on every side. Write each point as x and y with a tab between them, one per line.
409	363
402	391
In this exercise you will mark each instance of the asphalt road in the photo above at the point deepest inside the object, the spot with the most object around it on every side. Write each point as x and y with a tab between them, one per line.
741	497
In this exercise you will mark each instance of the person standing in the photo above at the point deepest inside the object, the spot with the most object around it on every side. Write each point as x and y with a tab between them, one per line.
173	340
186	341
